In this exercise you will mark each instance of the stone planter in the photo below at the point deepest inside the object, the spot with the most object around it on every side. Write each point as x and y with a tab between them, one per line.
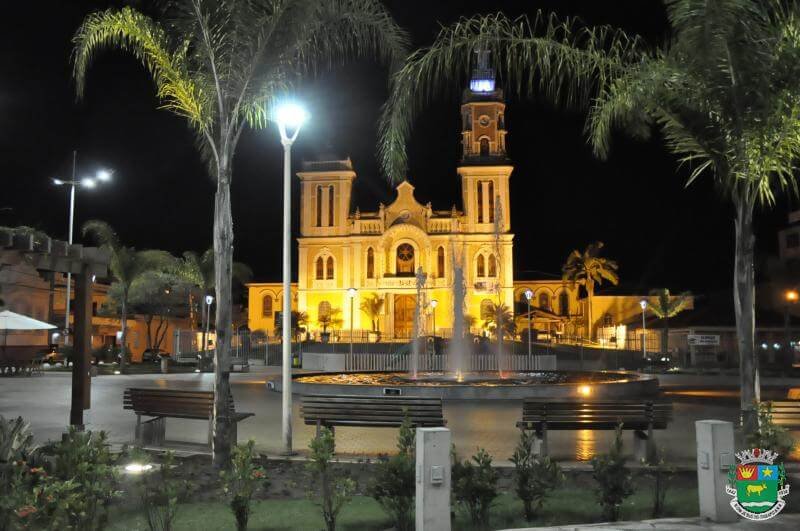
374	337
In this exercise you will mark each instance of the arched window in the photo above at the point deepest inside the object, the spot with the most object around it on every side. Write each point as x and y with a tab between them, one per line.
370	263
563	303
440	262
484	147
481	266
487	309
266	306
320	269
330	206
480	201
319	206
544	300
492	266
491	199
405	259
329	268
324	309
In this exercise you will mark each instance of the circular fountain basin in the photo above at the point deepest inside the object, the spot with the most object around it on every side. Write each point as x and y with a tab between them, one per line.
477	385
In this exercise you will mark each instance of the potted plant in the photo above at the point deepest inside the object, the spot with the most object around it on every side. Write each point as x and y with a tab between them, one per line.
330	319
373	307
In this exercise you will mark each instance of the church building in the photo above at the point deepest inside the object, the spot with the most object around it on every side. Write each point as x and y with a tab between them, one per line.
382	252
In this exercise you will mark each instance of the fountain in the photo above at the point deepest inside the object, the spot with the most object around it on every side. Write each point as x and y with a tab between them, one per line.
456	378
457	349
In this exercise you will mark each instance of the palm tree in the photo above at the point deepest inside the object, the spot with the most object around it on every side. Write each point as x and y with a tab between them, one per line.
500	313
663	305
127	265
589	269
373	306
299	321
222	64
199	271
724	91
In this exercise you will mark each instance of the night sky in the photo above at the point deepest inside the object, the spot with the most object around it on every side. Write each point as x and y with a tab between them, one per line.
661	233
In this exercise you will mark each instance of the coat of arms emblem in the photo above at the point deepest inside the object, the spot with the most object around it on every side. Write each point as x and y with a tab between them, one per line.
757	485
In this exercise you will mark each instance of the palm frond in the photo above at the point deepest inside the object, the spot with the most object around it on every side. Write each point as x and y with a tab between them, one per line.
554	57
137	34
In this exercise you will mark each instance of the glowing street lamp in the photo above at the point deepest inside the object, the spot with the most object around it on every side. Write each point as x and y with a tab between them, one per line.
209	302
528	296
643	304
290	117
88	183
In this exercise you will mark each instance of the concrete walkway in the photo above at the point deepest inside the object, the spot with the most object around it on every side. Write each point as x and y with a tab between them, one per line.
779	523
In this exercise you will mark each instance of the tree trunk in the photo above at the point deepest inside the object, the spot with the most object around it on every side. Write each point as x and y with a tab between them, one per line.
744	307
223	265
665	336
123	362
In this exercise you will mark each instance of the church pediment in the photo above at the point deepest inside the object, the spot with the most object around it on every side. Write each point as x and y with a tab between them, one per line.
405	208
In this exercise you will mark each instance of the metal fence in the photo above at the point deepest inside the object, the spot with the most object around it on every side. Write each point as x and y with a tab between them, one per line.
258	349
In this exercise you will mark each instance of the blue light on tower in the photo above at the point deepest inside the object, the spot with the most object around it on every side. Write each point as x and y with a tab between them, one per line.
482	85
482	74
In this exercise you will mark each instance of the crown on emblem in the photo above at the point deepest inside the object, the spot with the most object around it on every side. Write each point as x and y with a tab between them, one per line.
756	455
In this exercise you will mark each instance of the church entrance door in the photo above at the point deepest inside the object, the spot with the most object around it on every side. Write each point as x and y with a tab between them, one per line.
404	316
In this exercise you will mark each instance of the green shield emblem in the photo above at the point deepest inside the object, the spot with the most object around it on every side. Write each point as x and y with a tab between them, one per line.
758	495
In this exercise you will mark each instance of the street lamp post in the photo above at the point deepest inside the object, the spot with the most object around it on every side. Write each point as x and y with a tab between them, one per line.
290	118
528	296
351	293
86	182
434	304
791	296
209	302
643	304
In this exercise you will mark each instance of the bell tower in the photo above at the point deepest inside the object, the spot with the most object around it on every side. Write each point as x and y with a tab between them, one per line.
485	169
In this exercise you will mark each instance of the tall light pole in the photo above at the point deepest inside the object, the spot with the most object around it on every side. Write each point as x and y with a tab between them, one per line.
290	118
209	302
528	297
791	296
85	182
351	293
643	304
434	304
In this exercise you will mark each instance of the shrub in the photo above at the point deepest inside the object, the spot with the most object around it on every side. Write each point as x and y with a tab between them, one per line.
661	473
394	484
329	489
73	493
16	482
475	486
159	491
242	481
535	476
613	478
770	436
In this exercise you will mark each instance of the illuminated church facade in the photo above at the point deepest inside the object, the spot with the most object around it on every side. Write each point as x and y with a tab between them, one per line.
382	251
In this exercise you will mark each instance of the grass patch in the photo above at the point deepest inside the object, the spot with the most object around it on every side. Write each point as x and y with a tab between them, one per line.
574	503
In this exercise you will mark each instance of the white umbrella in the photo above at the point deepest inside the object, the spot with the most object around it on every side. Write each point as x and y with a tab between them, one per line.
15	321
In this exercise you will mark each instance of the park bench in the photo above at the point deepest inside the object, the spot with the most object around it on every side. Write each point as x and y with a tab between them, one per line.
172	403
642	416
371	411
786	413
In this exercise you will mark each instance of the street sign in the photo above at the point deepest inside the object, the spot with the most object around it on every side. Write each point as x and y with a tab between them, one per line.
698	340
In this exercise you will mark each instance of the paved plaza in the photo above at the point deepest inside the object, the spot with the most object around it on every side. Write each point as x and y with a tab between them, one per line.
44	402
